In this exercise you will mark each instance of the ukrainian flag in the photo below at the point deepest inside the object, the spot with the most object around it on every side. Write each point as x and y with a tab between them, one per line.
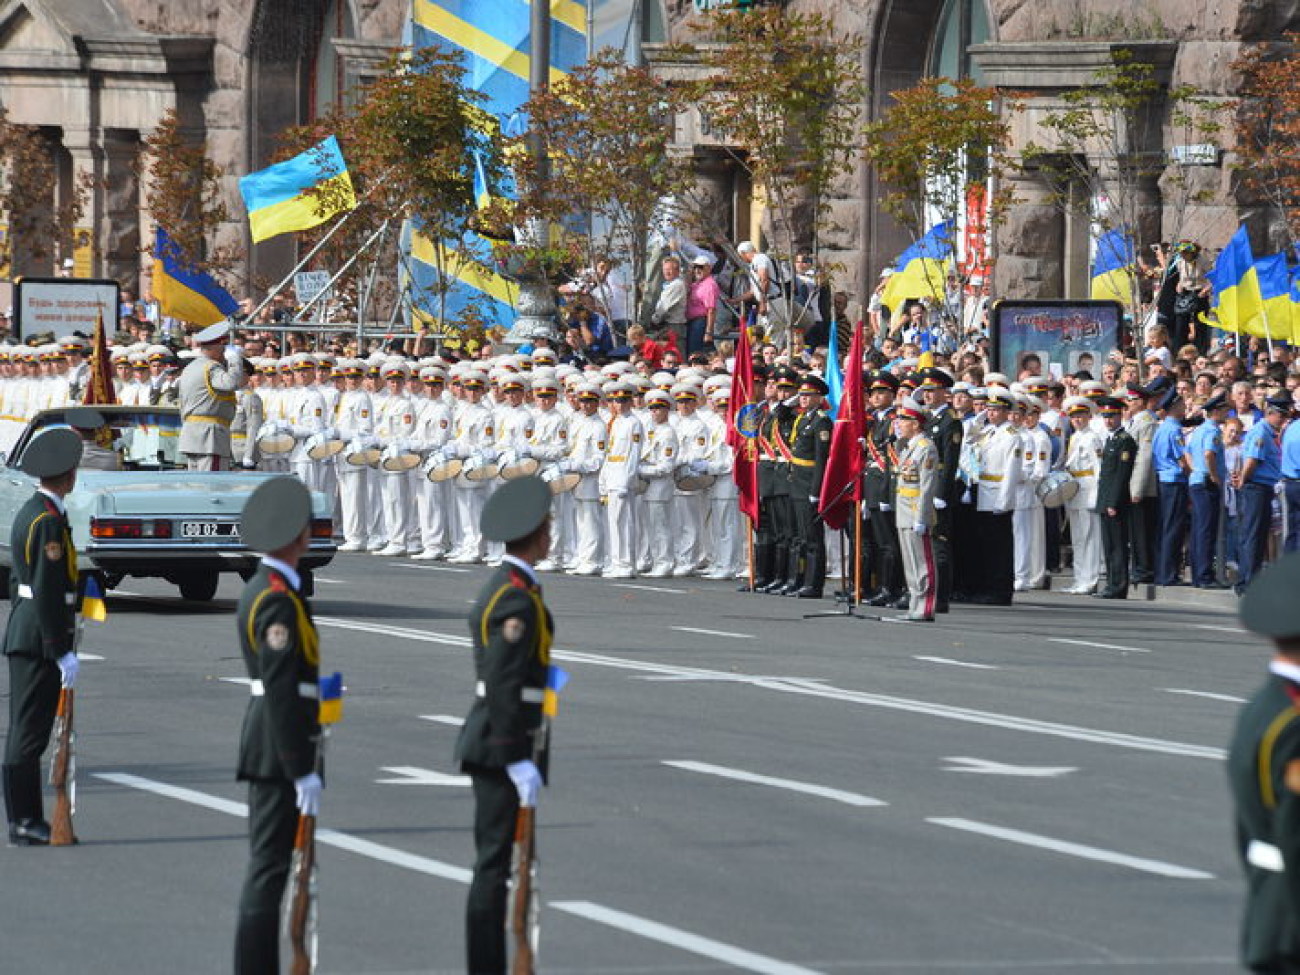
93	608
331	698
279	198
1238	302
187	293
469	286
556	678
1275	290
921	271
1112	268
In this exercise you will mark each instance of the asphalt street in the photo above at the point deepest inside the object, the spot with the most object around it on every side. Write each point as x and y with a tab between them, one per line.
1037	789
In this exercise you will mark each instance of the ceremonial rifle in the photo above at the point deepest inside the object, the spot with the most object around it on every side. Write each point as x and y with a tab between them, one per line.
63	770
302	904
525	907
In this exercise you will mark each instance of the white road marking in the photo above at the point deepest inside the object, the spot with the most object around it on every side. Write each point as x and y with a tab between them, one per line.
399	631
629	585
1074	849
89	656
410	775
1217	629
807	788
246	681
817	688
448	719
677	938
1230	698
982	766
696	629
1099	646
330	581
428	568
651	930
954	663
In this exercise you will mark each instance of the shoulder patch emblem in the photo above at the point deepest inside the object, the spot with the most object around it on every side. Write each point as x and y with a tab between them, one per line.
1291	778
825	435
1124	455
277	636
442	424
487	432
956	438
53	551
564	434
513	629
636	438
318	412
364	414
668	451
700	441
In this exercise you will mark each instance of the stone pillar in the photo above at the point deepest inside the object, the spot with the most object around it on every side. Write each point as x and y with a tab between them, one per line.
119	239
1029	243
711	197
86	151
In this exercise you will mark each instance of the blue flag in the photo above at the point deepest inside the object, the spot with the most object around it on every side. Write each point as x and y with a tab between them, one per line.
834	374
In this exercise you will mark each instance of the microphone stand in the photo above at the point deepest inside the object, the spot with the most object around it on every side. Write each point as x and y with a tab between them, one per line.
847	594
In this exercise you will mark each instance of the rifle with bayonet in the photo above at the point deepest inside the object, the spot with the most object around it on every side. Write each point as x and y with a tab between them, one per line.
63	770
302	902
525	906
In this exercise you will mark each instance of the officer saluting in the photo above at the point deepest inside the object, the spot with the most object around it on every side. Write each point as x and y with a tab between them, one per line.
502	745
207	400
1264	776
40	640
280	741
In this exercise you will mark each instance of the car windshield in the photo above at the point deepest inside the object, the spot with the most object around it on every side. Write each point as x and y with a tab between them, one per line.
141	439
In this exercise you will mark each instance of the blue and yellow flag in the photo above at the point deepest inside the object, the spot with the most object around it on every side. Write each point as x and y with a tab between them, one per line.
331	698
556	678
467	284
1275	288
1237	299
834	374
185	293
1112	267
279	200
921	271
93	609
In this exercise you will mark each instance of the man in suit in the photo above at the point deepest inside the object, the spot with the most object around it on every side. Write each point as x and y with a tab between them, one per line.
207	401
40	639
1143	512
279	745
1114	498
1264	777
502	746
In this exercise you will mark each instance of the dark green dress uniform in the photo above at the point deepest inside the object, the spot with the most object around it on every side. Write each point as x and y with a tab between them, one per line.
810	445
777	430
511	629
1117	459
946	430
41	629
278	744
764	533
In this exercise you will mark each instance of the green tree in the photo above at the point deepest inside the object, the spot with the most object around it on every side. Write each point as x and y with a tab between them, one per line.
1267	128
784	94
39	227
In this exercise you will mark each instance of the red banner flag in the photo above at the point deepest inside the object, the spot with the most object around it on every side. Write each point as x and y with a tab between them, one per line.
742	418
844	463
99	383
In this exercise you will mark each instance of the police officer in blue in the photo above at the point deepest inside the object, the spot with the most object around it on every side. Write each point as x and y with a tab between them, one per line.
1256	482
1208	469
1168	455
1291	484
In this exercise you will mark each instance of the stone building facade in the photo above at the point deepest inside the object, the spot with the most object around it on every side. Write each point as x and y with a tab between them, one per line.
1036	50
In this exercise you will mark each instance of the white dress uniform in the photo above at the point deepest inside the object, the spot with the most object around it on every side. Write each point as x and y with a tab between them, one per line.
356	419
1029	523
622	458
587	437
244	428
432	500
1001	462
396	423
327	470
474	438
306	417
658	461
1083	463
724	525
514	430
550	444
689	506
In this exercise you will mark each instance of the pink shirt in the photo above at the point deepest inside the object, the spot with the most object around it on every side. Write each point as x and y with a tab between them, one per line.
703	297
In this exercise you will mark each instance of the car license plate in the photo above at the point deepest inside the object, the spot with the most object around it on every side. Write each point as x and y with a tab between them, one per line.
209	529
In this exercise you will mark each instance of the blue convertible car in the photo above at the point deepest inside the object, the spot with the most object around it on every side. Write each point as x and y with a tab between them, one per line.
137	512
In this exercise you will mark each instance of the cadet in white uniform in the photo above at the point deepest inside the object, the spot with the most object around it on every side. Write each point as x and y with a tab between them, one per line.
396	424
724	512
617	474
432	499
689	507
473	440
1000	465
548	445
356	424
658	462
587	438
1028	522
1083	462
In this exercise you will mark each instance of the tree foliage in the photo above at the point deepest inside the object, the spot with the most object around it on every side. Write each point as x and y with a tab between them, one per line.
1267	127
40	227
605	130
183	195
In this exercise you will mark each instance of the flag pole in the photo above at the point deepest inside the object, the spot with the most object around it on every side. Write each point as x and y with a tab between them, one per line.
749	535
857	552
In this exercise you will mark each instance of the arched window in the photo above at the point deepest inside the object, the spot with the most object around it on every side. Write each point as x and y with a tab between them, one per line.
961	24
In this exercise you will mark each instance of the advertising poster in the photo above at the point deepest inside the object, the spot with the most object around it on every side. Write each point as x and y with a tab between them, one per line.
1054	337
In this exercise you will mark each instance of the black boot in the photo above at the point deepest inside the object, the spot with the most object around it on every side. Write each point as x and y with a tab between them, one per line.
881	598
778	580
900	602
762	568
27	826
794	573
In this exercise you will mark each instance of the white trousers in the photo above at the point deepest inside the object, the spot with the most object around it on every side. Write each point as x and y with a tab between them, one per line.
620	517
469	509
562	530
657	534
431	504
728	535
375	507
395	487
688	517
1029	527
590	519
352	497
1085	537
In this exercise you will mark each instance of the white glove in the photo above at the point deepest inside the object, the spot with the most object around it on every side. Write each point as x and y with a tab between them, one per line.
886	507
523	450
489	455
814	501
563	465
940	503
68	667
308	789
699	467
920	528
527	780
234	358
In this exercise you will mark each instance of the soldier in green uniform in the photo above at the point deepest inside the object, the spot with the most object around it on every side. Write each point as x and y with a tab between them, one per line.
776	430
279	746
40	639
502	746
1264	777
810	443
1113	499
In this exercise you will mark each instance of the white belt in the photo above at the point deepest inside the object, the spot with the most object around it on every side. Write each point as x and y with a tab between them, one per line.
25	591
529	695
1266	856
257	689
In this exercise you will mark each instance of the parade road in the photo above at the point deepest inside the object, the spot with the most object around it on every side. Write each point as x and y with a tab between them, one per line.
1038	789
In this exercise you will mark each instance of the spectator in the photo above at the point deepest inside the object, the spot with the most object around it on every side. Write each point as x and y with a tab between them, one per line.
669	314
701	306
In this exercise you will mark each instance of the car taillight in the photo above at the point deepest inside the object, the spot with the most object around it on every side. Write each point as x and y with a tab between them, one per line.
322	528
125	528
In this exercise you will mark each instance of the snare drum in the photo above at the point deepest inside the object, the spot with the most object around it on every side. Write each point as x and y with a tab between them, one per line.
1056	489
